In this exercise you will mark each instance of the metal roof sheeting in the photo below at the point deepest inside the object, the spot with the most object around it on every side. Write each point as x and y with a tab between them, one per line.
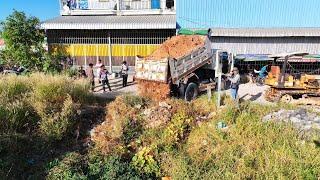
112	22
266	32
248	13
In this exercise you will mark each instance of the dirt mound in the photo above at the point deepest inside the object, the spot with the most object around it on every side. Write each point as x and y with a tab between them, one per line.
177	47
154	90
158	116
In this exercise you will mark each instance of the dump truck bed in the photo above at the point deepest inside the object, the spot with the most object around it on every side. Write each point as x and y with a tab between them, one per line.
171	68
180	68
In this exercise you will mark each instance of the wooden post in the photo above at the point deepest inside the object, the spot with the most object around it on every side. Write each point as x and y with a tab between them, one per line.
219	91
209	92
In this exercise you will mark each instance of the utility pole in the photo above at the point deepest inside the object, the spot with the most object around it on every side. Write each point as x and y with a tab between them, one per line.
118	7
110	52
219	73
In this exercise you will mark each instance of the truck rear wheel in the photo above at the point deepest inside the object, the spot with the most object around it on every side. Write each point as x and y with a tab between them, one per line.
191	92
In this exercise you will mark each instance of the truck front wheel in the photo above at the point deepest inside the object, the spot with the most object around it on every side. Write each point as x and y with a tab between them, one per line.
191	92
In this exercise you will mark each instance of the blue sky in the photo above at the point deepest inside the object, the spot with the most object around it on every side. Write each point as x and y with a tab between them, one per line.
206	13
43	9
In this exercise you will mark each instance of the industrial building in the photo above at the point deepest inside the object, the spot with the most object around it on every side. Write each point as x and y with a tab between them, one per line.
255	27
89	30
251	30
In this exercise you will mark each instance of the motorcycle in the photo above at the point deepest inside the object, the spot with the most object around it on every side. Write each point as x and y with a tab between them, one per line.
260	80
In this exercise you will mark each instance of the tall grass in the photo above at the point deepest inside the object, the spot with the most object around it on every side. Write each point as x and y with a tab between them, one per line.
249	149
44	103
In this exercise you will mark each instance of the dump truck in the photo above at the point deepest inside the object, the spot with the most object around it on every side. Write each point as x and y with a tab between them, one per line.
301	88
183	66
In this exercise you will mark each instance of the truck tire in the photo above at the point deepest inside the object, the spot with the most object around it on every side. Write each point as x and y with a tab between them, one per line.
191	92
182	90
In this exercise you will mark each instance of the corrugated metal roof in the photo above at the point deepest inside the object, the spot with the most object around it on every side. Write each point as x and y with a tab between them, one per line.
247	13
266	32
112	22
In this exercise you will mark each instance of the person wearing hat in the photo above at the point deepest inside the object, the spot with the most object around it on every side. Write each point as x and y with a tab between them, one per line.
234	78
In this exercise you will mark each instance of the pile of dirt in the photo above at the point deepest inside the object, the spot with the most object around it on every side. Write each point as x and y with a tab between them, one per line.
154	90
158	116
177	47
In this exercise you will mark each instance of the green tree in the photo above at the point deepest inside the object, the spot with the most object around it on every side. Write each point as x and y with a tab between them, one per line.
24	41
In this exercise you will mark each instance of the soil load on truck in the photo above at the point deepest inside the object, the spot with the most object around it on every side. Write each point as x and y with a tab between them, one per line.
153	72
177	47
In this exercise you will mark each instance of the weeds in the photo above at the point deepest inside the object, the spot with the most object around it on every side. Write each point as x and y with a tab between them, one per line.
182	148
186	144
33	110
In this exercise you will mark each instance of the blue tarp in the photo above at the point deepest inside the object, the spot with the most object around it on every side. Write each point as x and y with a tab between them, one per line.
253	57
83	4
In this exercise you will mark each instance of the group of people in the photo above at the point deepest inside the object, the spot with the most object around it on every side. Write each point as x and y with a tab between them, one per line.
102	75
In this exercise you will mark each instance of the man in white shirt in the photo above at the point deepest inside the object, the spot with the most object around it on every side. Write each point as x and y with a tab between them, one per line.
124	72
98	67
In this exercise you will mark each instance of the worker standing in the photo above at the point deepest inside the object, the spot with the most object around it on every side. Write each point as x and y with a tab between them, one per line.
234	78
124	72
104	78
90	75
98	66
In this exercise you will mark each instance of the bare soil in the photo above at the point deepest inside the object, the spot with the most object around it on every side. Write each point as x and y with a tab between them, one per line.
177	46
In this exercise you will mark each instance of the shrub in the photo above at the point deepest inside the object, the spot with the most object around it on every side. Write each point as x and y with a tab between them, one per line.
111	167
13	87
177	129
70	72
70	167
54	99
56	125
145	163
134	101
203	107
122	125
16	114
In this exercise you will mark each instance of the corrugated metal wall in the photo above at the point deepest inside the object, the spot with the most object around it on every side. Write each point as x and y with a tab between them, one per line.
248	13
244	45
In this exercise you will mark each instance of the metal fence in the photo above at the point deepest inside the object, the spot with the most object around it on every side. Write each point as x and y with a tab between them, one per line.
88	46
102	36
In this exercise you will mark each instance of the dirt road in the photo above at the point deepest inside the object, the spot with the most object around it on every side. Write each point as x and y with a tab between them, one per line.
249	92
